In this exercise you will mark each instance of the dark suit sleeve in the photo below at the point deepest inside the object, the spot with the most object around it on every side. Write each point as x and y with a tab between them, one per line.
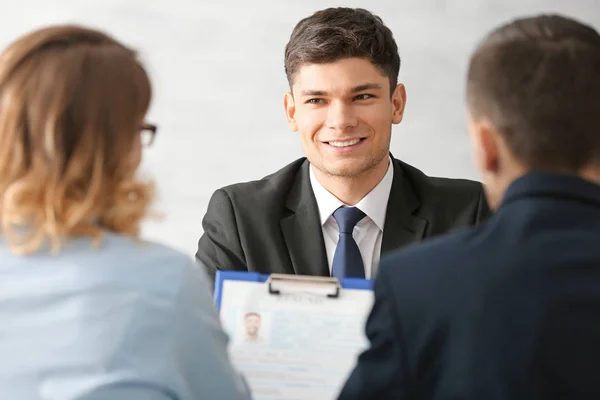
220	247
381	370
483	210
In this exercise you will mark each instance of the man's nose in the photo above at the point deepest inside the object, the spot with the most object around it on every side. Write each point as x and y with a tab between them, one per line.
341	116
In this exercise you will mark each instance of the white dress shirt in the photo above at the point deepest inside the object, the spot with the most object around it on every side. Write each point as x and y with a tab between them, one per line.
368	232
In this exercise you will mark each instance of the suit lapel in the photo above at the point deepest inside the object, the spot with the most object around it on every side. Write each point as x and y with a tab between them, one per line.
301	228
401	226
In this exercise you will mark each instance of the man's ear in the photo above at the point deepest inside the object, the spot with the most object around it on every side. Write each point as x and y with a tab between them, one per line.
487	146
290	111
398	103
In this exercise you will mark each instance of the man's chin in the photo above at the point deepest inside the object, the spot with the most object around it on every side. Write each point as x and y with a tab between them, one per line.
347	168
346	172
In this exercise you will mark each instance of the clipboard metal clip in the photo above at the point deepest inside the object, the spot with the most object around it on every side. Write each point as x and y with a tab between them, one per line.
306	280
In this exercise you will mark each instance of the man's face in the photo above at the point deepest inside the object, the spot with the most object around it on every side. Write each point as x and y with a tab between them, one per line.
252	325
344	113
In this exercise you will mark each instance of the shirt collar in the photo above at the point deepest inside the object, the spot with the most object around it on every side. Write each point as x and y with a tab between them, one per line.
374	204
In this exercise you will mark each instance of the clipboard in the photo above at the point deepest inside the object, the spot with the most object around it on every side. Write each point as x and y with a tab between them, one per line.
222	276
293	336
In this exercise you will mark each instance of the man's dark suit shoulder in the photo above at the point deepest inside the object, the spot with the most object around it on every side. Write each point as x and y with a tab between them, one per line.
445	198
455	188
241	212
271	189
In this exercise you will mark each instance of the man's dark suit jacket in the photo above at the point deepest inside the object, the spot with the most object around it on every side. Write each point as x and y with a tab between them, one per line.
273	225
507	310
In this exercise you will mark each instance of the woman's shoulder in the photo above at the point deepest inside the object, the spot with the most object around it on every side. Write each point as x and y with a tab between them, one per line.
143	258
124	262
114	259
139	248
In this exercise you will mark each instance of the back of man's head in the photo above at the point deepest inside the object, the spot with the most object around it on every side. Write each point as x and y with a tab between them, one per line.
537	82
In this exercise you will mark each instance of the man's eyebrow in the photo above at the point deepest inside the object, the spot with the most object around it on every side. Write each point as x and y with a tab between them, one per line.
366	86
355	89
313	93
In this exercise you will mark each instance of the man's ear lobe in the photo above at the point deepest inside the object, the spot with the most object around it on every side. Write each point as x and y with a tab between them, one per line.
290	111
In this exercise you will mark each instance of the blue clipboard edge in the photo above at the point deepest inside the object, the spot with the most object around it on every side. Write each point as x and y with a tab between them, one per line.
222	276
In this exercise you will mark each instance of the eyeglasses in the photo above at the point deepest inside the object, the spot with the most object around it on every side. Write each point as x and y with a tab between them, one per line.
148	132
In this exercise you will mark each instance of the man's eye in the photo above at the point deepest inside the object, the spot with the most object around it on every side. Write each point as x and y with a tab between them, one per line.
364	96
314	101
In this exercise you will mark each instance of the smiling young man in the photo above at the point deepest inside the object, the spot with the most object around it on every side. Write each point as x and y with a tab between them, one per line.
335	212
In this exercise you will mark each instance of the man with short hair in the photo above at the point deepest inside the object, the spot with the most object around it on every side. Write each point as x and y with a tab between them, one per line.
337	210
252	323
509	309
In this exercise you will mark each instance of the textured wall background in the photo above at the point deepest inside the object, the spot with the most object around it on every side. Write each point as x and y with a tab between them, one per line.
217	68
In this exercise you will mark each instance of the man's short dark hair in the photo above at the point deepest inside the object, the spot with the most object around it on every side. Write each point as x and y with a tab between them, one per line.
537	80
334	34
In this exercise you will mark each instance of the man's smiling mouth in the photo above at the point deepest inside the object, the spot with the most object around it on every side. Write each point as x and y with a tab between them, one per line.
345	143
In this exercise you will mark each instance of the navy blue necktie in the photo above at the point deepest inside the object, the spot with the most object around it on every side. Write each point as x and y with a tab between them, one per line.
347	261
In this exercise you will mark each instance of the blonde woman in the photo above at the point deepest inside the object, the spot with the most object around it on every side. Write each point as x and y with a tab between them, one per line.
88	310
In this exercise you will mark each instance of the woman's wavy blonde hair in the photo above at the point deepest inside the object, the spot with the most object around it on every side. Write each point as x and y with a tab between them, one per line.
72	101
